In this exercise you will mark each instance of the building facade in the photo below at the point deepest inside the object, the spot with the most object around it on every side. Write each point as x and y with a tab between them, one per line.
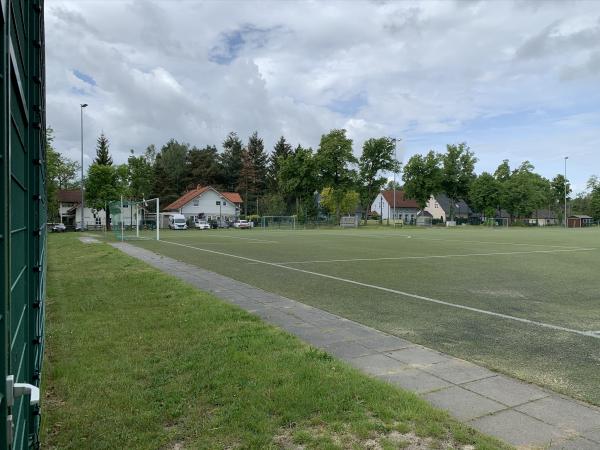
206	203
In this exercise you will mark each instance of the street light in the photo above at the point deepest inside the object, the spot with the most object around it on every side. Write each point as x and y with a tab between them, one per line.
566	219
395	161
81	106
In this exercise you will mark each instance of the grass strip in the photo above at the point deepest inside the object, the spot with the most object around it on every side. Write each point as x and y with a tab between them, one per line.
137	359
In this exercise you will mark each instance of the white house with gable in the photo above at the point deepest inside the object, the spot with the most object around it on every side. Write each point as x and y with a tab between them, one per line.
206	203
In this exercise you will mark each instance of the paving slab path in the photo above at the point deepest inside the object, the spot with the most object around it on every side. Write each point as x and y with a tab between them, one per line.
518	413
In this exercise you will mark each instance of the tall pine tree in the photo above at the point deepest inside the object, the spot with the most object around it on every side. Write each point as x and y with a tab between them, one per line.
103	157
231	159
280	152
258	160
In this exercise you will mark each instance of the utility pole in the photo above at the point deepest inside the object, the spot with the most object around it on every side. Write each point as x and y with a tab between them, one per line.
81	106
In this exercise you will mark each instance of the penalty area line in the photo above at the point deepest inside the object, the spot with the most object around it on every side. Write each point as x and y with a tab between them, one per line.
398	292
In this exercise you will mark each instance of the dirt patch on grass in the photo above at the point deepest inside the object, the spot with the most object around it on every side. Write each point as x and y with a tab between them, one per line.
311	437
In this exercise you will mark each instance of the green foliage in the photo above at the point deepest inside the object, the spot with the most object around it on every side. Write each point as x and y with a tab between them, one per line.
253	175
377	157
140	175
231	159
103	157
204	168
280	152
298	176
348	204
525	191
484	194
595	202
273	204
103	185
170	169
61	173
333	159
458	172
422	177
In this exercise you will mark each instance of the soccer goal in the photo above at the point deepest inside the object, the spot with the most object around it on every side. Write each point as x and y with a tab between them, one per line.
498	221
135	219
278	222
349	222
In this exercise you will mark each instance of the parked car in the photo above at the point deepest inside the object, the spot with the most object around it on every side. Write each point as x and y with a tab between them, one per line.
177	222
201	224
59	228
242	224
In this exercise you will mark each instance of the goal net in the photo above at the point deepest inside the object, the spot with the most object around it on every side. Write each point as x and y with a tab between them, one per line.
498	221
135	219
349	222
278	222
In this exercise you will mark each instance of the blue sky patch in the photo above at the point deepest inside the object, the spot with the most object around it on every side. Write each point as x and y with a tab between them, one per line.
231	43
84	77
350	105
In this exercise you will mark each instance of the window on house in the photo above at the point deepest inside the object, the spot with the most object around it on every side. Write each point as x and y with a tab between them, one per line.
98	221
436	205
196	202
224	203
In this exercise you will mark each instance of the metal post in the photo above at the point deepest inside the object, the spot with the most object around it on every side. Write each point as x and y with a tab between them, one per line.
81	106
566	219
122	220
394	214
157	219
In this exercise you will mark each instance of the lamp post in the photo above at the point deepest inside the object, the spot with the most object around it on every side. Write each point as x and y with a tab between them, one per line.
395	161
81	106
566	219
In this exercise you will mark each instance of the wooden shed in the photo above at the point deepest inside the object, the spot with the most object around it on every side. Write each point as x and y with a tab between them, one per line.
579	221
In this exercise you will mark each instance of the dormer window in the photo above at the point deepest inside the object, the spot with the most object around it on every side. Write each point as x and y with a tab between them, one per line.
196	202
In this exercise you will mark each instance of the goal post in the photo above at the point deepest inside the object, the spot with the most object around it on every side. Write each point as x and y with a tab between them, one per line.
498	221
278	222
135	219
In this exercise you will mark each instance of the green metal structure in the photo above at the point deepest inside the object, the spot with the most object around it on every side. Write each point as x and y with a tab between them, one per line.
22	220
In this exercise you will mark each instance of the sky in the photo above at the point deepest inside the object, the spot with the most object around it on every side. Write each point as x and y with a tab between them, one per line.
516	80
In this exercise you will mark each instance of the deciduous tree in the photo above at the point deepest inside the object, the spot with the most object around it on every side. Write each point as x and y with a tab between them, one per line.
422	177
333	159
377	157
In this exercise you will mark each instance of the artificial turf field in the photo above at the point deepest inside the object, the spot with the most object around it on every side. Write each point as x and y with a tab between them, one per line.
525	302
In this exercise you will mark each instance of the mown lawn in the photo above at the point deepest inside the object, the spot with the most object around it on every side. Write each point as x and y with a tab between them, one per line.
136	359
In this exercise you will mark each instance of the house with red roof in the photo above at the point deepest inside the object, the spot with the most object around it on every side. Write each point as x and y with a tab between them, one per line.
207	203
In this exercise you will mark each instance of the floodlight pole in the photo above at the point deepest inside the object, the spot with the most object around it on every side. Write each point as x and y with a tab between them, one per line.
81	106
566	219
395	161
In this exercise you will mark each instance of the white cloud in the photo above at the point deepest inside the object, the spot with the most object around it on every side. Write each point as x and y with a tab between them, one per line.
504	76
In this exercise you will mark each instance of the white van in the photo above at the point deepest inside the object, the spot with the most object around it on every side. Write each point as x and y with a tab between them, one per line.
177	222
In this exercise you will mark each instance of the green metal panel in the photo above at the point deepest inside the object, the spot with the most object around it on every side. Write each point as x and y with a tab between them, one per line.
23	205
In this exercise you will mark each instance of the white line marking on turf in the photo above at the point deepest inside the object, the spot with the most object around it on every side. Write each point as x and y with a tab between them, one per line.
395	258
406	236
243	238
394	291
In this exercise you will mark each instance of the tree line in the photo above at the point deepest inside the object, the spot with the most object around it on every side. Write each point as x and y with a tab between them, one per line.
301	180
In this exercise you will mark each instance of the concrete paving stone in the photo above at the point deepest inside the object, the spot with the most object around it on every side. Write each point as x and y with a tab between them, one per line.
577	443
458	371
416	380
322	340
506	391
593	435
418	356
564	413
347	350
517	429
463	404
385	343
377	364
